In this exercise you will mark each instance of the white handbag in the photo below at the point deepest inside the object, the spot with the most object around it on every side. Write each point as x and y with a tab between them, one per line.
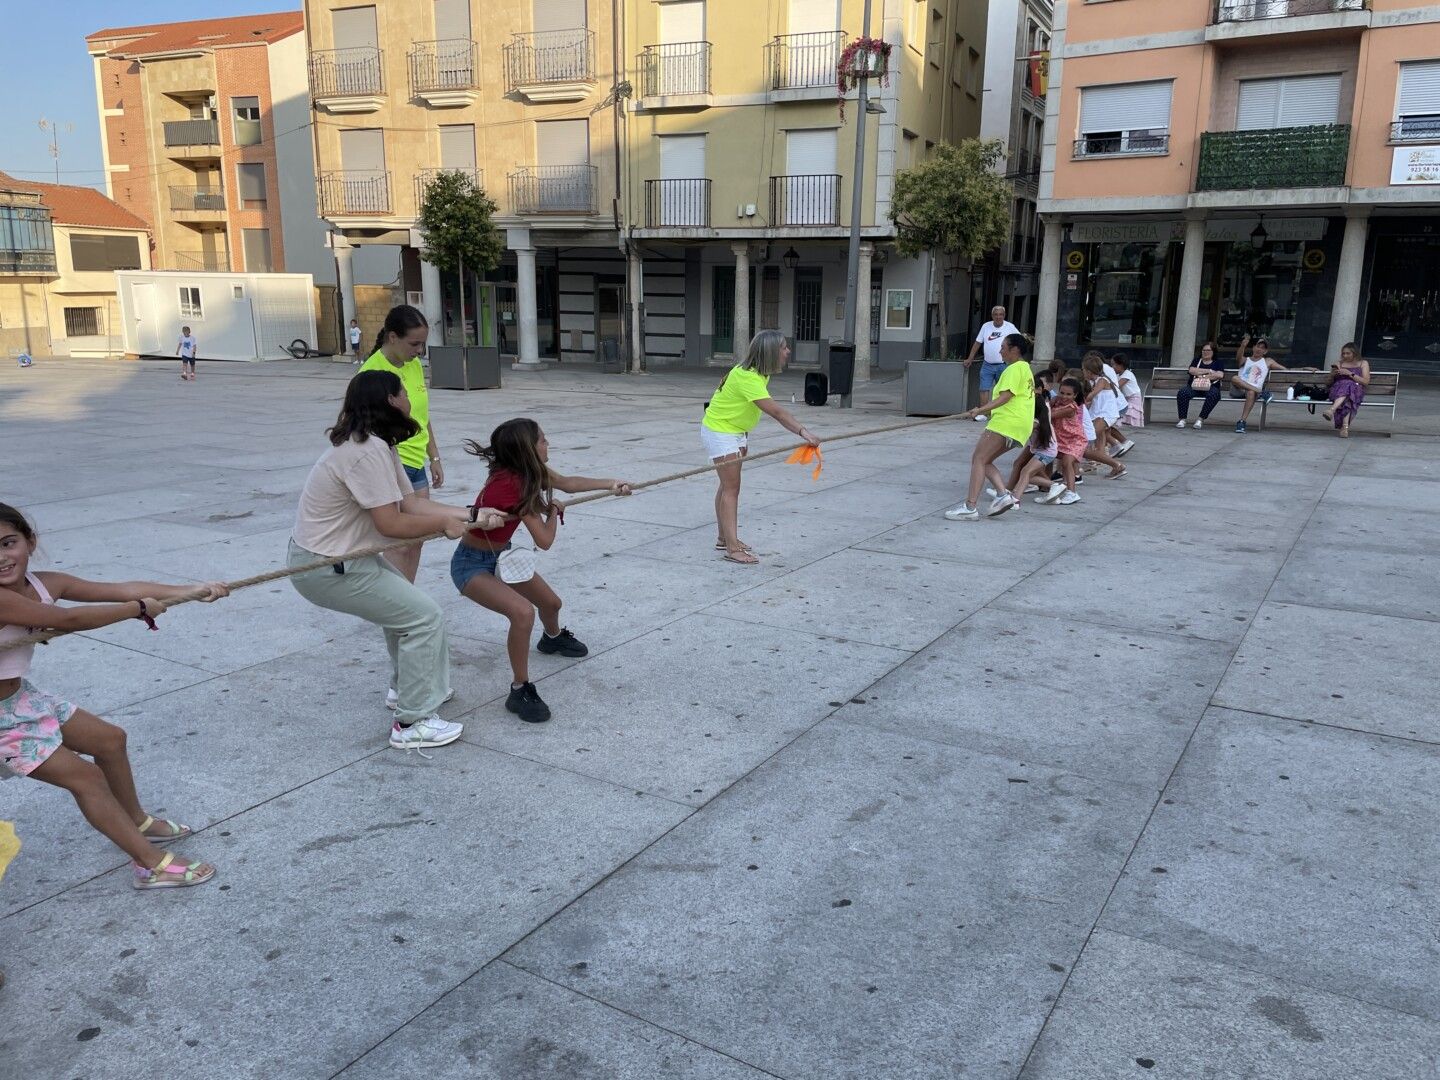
515	565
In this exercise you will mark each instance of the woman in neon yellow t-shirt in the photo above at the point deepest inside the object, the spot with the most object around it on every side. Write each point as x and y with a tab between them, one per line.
398	348
733	412
1011	410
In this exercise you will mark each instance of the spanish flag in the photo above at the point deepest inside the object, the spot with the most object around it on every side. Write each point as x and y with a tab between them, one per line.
1039	72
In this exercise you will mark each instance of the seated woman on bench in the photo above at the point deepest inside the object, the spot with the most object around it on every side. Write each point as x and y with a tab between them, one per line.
1348	382
1212	370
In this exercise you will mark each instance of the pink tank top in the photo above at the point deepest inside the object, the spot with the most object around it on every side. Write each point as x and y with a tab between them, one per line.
15	663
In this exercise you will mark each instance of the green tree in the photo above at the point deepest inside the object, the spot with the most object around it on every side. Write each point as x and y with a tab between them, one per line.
457	228
953	204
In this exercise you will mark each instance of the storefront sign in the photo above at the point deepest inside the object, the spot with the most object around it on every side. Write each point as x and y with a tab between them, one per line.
1238	230
1075	260
1415	165
1221	230
1122	232
1072	281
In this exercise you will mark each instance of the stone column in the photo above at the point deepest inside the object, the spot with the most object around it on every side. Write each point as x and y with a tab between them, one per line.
742	298
635	295
1345	314
1187	304
432	299
345	274
1049	298
519	241
862	314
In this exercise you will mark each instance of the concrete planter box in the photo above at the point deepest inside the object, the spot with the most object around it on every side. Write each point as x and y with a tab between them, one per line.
470	368
935	387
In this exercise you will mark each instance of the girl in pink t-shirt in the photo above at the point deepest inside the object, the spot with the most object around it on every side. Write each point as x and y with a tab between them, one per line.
1070	441
43	736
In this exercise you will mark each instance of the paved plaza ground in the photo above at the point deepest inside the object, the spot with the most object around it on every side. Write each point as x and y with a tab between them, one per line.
1144	786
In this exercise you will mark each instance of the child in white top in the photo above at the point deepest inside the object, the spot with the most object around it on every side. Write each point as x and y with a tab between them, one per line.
355	339
43	736
1130	391
185	349
1104	405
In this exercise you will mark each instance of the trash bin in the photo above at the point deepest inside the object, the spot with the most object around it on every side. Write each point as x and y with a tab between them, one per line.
842	368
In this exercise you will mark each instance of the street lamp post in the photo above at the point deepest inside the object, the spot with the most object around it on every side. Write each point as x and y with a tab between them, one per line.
852	265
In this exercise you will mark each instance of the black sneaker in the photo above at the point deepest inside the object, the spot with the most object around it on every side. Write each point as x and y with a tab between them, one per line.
524	701
565	643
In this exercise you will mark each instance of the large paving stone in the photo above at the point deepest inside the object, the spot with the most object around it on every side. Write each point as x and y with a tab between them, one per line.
686	710
1101	702
340	910
1320	664
1299	851
1017	541
1133	1009
1388	584
506	1024
865	905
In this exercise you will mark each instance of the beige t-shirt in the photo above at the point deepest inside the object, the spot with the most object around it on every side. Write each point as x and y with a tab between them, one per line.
347	483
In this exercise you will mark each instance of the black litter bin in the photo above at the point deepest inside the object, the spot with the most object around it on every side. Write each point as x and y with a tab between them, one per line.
842	368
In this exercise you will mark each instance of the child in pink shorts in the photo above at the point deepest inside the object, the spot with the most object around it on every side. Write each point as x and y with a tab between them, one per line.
44	736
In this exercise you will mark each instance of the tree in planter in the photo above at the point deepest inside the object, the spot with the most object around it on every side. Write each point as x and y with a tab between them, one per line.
457	227
952	204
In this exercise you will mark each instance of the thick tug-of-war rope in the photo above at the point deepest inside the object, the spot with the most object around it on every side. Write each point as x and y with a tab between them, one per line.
379	549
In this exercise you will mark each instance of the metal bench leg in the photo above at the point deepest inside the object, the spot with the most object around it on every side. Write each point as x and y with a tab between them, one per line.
1264	407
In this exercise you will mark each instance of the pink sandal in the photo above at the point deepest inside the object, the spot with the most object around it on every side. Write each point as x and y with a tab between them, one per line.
170	874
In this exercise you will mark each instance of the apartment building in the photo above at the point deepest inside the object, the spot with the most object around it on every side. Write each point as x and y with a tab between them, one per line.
1014	113
205	132
1217	168
59	248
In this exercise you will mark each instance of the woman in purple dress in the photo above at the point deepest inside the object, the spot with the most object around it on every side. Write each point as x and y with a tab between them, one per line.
1348	380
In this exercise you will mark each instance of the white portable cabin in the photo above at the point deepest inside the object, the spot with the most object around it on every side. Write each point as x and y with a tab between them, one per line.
232	316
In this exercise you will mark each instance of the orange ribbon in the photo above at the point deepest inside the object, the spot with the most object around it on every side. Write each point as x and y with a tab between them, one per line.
804	456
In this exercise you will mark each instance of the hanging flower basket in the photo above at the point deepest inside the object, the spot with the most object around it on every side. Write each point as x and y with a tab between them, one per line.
864	57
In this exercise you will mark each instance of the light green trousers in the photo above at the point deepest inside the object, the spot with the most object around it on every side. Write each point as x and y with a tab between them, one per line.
413	623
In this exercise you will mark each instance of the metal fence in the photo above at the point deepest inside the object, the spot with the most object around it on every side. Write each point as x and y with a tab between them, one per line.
350	193
187	198
1416	129
677	203
443	65
805	200
192	132
347	72
424	176
553	189
1121	143
679	68
551	56
1298	157
200	260
1252	10
801	60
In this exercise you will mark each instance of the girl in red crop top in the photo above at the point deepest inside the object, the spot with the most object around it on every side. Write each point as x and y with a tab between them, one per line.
522	485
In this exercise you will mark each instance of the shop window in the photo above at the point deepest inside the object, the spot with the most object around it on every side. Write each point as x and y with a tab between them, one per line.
82	321
1127	118
1124	298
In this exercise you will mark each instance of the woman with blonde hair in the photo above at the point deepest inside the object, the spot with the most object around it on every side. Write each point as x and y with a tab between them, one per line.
732	413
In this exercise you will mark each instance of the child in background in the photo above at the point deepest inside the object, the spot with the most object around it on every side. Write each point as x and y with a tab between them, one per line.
186	351
355	339
1103	402
43	736
1130	390
1070	441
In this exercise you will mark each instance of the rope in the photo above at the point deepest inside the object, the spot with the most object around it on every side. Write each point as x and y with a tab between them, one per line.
43	637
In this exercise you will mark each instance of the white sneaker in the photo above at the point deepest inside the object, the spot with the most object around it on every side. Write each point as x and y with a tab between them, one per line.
1068	498
962	513
980	419
1181	424
1002	503
991	492
1056	490
392	698
1199	424
432	731
1125	447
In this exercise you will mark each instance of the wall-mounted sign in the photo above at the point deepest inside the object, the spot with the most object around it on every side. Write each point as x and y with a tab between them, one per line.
1415	165
1072	282
1220	230
1075	260
898	305
1314	260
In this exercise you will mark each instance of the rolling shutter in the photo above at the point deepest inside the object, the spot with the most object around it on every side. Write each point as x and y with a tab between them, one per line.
362	151
1419	89
559	15
810	153
452	20
1296	101
812	16
457	146
354	28
562	142
1125	107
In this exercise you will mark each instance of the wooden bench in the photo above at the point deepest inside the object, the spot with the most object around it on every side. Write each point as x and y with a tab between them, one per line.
1166	382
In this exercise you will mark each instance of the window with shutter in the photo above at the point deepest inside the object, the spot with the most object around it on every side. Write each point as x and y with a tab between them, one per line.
1417	105
246	113
251	181
257	251
457	147
1292	101
1125	118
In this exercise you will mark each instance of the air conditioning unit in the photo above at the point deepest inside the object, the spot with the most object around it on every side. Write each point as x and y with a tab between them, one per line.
415	299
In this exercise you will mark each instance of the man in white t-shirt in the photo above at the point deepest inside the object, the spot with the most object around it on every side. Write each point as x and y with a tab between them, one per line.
1250	382
990	338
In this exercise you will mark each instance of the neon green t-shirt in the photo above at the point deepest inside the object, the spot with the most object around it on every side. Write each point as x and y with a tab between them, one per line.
1016	418
413	450
732	409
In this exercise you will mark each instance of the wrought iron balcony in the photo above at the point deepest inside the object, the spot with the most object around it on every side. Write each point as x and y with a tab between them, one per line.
1227	11
192	132
1297	157
191	199
805	200
354	193
1415	129
1111	144
424	176
339	73
796	61
553	189
675	69
438	66
549	58
200	260
677	203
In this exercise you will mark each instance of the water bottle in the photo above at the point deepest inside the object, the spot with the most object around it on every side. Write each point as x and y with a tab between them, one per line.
1290	393
792	399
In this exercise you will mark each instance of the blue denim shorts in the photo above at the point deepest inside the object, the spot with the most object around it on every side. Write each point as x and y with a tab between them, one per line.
418	477
990	375
468	561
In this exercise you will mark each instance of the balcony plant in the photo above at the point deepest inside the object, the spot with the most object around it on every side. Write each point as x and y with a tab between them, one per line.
863	58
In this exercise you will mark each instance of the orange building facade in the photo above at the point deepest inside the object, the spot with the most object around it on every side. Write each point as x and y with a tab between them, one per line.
1218	168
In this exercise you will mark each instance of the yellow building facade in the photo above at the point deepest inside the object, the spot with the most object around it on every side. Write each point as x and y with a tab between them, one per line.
651	161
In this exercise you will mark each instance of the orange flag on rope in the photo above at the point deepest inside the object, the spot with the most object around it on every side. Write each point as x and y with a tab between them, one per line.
804	456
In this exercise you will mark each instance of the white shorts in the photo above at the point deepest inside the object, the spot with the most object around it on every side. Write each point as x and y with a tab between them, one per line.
719	444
